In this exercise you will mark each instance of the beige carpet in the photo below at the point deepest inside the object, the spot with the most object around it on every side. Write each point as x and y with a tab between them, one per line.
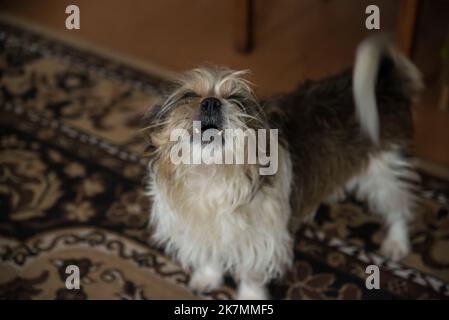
71	182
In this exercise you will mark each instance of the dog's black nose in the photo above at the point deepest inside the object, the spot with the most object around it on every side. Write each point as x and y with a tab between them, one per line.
209	105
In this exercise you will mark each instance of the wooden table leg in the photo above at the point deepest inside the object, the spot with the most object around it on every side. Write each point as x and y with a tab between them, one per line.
406	25
444	96
243	25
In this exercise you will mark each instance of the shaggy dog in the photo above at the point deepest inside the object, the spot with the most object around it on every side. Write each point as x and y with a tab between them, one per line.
346	133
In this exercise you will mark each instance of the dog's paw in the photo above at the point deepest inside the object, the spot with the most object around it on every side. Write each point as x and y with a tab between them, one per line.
395	249
205	280
251	292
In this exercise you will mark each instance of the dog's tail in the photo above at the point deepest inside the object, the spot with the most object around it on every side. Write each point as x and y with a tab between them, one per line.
377	59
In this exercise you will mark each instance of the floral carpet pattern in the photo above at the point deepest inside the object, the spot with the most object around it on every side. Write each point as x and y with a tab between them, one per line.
71	192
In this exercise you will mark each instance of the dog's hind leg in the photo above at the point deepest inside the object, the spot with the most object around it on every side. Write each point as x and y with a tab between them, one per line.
387	186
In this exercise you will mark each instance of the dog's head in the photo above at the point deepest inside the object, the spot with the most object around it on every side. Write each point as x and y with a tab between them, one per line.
216	97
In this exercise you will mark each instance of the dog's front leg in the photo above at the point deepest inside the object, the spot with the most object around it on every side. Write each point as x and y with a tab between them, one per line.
251	287
206	278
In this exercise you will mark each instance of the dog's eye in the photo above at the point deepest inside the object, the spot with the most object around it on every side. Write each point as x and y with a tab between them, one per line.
189	95
235	97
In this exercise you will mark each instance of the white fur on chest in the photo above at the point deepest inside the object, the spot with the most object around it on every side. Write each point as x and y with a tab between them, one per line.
217	220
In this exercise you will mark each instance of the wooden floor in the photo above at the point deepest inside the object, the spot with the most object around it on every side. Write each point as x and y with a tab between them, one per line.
293	40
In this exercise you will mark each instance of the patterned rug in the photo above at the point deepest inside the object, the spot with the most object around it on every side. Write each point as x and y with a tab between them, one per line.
71	181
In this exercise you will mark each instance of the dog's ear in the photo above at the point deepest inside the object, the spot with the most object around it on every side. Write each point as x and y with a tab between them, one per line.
155	116
153	113
148	126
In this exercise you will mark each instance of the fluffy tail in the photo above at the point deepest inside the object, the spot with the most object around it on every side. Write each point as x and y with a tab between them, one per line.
372	54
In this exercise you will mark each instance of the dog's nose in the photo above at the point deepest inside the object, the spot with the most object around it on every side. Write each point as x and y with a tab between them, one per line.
209	105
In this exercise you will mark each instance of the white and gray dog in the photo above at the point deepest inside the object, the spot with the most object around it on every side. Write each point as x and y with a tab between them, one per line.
346	133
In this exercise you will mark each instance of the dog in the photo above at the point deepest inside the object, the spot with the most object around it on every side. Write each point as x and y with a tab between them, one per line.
351	132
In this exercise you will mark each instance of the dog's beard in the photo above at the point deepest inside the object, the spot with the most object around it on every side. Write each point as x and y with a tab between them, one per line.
232	143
